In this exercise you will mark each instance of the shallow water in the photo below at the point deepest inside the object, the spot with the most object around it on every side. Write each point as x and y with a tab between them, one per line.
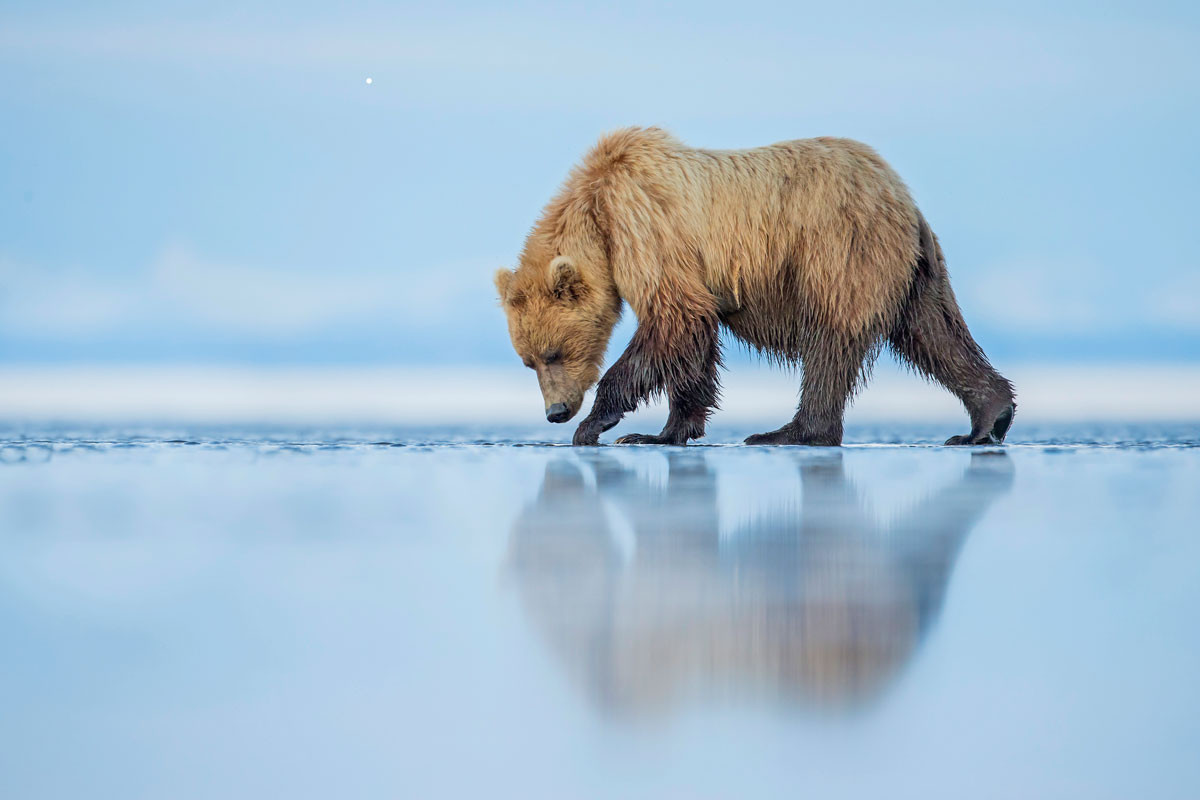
427	613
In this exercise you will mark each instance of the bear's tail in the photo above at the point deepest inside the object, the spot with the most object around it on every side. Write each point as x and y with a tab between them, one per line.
931	263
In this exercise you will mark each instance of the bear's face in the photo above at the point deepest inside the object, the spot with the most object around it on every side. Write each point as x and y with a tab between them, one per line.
560	325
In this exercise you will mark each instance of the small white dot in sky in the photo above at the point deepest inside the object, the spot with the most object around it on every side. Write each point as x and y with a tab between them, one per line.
370	81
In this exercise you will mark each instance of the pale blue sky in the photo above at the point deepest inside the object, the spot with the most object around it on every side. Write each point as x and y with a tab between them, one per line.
215	182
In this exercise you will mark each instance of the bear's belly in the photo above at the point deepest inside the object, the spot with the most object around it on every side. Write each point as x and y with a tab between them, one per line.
778	331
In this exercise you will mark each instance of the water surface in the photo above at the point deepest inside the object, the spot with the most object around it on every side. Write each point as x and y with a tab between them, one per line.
196	612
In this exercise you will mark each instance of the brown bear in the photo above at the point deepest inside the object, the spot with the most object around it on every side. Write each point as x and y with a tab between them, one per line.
810	251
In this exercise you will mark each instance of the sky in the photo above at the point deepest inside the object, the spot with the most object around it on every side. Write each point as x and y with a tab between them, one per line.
217	183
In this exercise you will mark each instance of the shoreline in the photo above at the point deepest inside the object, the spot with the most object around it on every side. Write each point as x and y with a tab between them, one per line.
508	396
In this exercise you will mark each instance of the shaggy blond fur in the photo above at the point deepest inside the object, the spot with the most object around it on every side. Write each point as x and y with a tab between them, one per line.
809	251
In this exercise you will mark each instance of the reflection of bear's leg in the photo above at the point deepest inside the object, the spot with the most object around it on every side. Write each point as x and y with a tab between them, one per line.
932	335
928	537
832	367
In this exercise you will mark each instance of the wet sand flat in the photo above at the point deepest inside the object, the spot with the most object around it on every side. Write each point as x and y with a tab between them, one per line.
432	613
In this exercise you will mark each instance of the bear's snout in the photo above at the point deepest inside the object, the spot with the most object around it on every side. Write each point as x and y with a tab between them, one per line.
558	413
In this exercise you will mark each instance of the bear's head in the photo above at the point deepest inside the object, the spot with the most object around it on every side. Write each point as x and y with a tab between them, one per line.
560	322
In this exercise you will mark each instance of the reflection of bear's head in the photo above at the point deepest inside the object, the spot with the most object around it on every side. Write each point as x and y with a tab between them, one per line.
561	311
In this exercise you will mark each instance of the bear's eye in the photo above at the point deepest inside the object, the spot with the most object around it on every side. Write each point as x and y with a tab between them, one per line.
553	357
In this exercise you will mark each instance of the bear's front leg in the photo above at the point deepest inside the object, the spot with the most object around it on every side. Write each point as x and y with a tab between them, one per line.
690	406
618	393
685	367
594	424
628	382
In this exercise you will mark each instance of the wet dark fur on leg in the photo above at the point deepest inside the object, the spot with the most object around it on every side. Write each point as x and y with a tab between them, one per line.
683	365
833	369
932	337
929	334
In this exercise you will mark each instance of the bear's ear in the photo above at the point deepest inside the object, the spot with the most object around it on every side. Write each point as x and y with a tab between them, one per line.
503	280
565	281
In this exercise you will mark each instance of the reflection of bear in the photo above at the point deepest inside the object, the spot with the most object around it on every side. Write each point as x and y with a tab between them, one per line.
820	603
810	251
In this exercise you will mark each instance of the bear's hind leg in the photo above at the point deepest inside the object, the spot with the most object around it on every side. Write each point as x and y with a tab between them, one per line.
932	336
832	368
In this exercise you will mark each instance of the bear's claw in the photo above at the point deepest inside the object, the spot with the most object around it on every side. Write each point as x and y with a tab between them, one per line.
588	432
586	437
996	435
645	438
790	434
987	438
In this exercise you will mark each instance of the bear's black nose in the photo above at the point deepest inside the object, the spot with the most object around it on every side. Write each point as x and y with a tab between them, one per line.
558	413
